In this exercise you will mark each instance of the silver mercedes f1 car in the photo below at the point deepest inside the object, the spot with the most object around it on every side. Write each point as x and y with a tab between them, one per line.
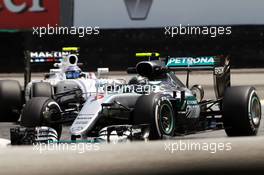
154	104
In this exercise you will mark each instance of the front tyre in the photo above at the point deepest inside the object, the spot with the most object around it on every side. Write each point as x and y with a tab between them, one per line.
241	111
155	110
42	111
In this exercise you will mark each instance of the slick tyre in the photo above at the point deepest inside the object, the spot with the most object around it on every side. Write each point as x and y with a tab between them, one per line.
10	100
155	110
241	111
41	111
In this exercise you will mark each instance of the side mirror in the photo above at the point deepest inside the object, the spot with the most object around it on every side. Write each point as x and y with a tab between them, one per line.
198	92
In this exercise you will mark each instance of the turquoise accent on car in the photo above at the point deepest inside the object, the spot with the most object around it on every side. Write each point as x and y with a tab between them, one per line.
191	100
191	62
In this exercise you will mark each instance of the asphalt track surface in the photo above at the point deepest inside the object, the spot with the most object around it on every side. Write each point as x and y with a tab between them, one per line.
246	155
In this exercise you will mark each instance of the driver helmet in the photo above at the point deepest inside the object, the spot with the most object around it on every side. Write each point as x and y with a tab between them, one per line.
73	72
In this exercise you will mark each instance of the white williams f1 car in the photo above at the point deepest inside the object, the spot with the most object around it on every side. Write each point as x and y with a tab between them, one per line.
66	83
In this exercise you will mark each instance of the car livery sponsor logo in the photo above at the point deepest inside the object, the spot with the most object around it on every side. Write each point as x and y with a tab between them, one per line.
43	57
189	61
48	54
191	100
192	109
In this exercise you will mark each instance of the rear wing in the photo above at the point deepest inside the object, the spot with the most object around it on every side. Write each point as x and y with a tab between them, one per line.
51	57
220	66
44	58
38	58
193	63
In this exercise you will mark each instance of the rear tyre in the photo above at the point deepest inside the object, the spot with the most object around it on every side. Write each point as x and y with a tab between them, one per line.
41	89
155	110
41	111
241	111
10	100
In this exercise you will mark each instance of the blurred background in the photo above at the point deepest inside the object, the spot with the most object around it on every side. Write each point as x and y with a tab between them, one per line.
130	26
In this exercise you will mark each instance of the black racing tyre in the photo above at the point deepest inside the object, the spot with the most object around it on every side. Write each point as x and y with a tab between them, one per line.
10	100
241	111
41	89
157	111
41	111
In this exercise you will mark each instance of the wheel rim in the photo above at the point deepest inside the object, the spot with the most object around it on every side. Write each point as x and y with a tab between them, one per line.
166	119
255	111
51	112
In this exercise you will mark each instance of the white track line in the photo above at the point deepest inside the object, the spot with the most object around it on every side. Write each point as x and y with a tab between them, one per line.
4	142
